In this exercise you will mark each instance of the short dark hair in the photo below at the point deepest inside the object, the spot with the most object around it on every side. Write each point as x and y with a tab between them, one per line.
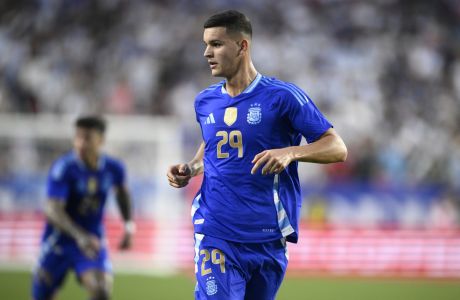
232	20
91	122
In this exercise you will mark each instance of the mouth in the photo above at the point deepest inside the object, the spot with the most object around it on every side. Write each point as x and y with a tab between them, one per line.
212	64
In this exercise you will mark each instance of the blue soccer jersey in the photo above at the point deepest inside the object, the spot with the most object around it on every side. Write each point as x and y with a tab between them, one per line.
84	190
232	204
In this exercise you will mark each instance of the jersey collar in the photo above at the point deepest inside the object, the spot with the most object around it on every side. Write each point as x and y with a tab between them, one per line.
81	164
249	88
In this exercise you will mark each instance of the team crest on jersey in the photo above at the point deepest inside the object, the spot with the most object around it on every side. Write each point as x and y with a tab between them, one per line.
254	114
211	286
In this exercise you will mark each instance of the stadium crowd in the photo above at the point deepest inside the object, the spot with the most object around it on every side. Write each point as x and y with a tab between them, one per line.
386	72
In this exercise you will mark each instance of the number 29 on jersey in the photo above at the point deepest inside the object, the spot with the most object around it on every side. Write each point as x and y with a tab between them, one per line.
234	138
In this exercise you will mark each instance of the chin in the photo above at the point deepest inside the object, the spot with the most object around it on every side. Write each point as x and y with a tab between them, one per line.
218	74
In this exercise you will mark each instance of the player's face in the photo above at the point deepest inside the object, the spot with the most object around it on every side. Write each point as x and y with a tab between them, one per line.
222	52
87	142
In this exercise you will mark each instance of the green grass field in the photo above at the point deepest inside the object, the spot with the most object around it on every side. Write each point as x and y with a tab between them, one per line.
15	286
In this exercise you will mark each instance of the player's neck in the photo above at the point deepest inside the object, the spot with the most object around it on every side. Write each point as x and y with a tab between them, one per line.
91	162
236	84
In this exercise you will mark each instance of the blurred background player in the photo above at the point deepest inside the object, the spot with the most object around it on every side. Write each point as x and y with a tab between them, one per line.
385	72
78	185
249	203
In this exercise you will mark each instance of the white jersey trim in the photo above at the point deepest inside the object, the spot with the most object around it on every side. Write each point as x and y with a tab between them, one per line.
283	220
249	88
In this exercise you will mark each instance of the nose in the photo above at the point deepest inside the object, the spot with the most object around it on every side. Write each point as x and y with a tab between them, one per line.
207	52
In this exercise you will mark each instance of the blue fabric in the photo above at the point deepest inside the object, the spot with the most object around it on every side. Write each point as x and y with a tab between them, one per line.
252	271
233	204
83	190
57	261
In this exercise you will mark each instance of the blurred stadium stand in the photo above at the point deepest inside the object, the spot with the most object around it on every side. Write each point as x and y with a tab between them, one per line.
385	72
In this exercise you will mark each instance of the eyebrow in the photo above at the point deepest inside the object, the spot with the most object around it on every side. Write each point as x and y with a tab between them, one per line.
214	41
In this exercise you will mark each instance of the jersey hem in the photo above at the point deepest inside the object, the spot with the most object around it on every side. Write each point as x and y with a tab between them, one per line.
239	240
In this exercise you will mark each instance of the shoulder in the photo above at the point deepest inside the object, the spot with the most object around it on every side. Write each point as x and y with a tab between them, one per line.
61	166
286	91
113	164
209	91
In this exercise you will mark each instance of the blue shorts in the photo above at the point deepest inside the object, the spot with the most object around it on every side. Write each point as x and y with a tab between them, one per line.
235	271
56	260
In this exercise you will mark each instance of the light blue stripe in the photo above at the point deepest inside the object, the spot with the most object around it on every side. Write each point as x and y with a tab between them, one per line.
195	205
279	206
286	252
295	93
48	244
299	90
214	86
283	224
290	87
281	214
253	85
198	239
211	87
298	97
249	88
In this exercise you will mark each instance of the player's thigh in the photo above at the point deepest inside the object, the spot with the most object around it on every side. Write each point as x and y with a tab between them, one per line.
98	283
266	280
218	273
264	286
48	275
94	274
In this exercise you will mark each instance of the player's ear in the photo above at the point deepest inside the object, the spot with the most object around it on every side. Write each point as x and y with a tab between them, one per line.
244	46
101	137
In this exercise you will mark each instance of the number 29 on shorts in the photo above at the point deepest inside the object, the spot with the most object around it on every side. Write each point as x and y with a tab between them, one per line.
216	256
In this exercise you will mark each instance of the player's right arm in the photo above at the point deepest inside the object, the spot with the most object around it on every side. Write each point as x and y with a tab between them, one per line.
58	187
57	216
179	175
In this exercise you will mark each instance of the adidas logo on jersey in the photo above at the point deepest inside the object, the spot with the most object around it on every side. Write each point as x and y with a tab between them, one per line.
209	119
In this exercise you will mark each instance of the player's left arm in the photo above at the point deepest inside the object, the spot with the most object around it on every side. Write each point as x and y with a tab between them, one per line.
329	148
125	206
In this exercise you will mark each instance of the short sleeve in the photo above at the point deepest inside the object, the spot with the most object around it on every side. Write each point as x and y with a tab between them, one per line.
119	173
302	113
58	181
197	117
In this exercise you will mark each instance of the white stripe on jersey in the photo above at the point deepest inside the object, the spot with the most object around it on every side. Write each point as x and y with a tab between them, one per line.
283	220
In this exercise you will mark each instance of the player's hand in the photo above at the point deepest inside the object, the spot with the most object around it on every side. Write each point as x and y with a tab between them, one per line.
126	242
274	161
179	175
89	244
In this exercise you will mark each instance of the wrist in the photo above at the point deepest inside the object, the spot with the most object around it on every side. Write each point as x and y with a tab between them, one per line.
80	237
295	153
130	227
194	168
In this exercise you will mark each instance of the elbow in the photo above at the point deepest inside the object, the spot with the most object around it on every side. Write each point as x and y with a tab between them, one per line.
339	149
51	211
48	210
342	151
342	157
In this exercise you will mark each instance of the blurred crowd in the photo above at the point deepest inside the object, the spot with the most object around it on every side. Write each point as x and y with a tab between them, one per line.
385	72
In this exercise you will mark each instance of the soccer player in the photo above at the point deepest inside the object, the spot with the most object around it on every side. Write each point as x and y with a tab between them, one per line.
249	202
78	185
